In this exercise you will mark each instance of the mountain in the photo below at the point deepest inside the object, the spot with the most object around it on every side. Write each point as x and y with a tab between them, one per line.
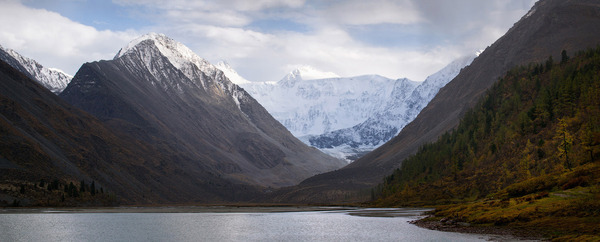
534	137
53	79
158	90
311	107
407	99
43	138
305	73
348	117
231	73
549	27
316	106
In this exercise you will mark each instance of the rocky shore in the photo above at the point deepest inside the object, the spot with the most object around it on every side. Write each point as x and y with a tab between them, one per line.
498	233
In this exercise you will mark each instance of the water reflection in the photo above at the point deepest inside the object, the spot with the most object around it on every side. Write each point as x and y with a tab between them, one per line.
206	225
389	212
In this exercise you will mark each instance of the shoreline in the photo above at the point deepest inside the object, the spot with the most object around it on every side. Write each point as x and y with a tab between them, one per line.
175	209
498	233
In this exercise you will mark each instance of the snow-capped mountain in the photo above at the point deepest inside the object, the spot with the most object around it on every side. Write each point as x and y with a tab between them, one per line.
53	79
316	106
231	73
305	73
160	91
199	72
404	105
347	117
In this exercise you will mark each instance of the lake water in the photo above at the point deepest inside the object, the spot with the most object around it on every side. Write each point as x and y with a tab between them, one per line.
220	224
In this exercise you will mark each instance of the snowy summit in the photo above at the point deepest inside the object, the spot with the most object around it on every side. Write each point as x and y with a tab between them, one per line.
178	54
305	73
231	73
54	79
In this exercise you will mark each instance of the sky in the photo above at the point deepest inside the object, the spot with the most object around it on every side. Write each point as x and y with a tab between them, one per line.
263	40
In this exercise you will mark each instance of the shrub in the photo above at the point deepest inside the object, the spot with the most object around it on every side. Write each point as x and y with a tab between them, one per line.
532	185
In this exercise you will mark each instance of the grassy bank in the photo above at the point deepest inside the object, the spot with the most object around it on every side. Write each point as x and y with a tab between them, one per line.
560	214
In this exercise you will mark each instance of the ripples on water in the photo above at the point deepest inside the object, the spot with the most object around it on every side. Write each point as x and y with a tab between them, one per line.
256	224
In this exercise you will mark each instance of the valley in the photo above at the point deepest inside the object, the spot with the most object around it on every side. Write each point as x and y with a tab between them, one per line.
507	139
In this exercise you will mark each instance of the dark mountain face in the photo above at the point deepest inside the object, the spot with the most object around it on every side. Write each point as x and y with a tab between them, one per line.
7	58
550	27
45	138
159	92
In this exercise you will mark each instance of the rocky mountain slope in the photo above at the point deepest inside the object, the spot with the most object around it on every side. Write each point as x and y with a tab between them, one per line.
161	92
549	27
45	138
53	79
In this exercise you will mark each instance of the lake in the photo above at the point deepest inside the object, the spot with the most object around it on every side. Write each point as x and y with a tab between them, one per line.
219	224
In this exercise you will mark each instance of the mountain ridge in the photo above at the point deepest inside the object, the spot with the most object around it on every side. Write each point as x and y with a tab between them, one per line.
53	79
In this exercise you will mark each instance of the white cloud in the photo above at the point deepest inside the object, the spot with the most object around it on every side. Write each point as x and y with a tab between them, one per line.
268	57
256	5
218	29
54	40
222	29
218	18
360	12
215	5
214	12
471	23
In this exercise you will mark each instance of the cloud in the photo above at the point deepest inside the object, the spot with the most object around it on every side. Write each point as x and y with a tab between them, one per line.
406	38
214	12
256	5
474	23
268	57
215	5
54	40
360	12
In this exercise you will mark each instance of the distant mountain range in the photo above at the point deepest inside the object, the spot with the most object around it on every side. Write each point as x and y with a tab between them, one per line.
53	79
406	100
347	116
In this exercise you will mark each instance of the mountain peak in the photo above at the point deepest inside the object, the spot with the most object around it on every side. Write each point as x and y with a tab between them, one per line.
178	54
231	73
53	79
154	37
305	72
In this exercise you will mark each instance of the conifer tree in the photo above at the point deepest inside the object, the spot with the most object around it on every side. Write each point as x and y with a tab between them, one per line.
563	57
93	189
82	186
565	141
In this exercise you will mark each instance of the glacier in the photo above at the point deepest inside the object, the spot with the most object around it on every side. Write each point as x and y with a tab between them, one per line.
347	117
317	106
399	110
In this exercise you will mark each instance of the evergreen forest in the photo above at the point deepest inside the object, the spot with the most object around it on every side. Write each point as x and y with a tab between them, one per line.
527	155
